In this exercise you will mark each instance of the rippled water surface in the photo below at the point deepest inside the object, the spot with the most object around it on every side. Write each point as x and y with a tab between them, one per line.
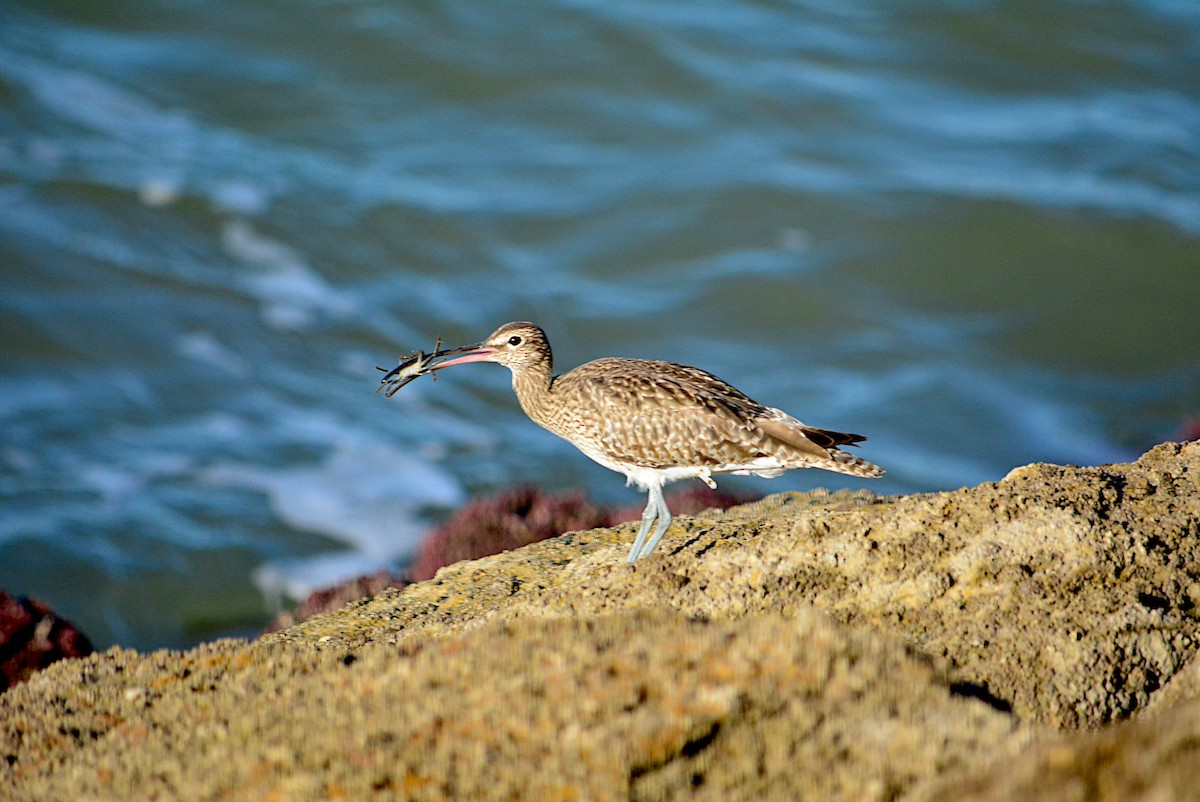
970	230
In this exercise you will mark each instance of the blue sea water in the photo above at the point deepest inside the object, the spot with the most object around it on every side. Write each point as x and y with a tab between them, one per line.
967	229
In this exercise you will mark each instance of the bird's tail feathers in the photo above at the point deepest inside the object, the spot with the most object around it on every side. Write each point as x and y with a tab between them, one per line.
818	447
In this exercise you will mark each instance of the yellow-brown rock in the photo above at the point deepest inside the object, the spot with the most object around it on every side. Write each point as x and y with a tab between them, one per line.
1009	641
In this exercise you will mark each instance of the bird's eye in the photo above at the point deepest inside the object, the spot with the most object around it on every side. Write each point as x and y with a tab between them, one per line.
514	340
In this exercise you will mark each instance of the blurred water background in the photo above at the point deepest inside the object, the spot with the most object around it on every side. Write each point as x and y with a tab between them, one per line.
968	229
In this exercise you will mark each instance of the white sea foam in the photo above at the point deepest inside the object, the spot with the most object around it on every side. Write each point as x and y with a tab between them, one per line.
366	494
203	346
292	294
160	191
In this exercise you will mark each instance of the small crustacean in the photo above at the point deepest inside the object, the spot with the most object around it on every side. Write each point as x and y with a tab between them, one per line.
412	367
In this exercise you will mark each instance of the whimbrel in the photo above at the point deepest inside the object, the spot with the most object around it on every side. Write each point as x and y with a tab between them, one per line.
656	422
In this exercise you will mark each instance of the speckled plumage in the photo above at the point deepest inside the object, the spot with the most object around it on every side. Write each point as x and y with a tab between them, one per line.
657	422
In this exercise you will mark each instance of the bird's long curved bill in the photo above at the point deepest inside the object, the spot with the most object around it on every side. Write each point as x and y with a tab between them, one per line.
470	353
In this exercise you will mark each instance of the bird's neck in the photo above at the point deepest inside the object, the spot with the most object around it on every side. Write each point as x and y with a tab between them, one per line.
534	386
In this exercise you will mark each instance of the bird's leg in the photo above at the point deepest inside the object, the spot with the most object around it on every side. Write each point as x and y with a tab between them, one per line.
664	520
648	516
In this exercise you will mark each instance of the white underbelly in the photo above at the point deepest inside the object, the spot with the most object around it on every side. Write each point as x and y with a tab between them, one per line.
646	478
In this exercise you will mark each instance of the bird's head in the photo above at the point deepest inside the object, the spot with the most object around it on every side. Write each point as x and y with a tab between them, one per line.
516	345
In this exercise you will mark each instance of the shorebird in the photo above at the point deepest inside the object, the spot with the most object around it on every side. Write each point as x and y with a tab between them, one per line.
655	422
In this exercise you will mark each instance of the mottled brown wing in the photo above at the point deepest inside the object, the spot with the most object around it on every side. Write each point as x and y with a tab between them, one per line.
659	414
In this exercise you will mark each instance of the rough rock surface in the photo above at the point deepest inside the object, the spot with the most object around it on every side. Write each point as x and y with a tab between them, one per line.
1032	638
336	597
493	524
526	515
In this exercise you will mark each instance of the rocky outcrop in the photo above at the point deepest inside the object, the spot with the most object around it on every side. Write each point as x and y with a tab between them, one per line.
1032	638
490	525
504	522
326	600
526	515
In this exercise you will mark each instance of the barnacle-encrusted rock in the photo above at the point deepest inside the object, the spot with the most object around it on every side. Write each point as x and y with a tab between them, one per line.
1030	638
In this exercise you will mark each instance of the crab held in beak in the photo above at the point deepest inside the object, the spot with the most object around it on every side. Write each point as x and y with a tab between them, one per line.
419	364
